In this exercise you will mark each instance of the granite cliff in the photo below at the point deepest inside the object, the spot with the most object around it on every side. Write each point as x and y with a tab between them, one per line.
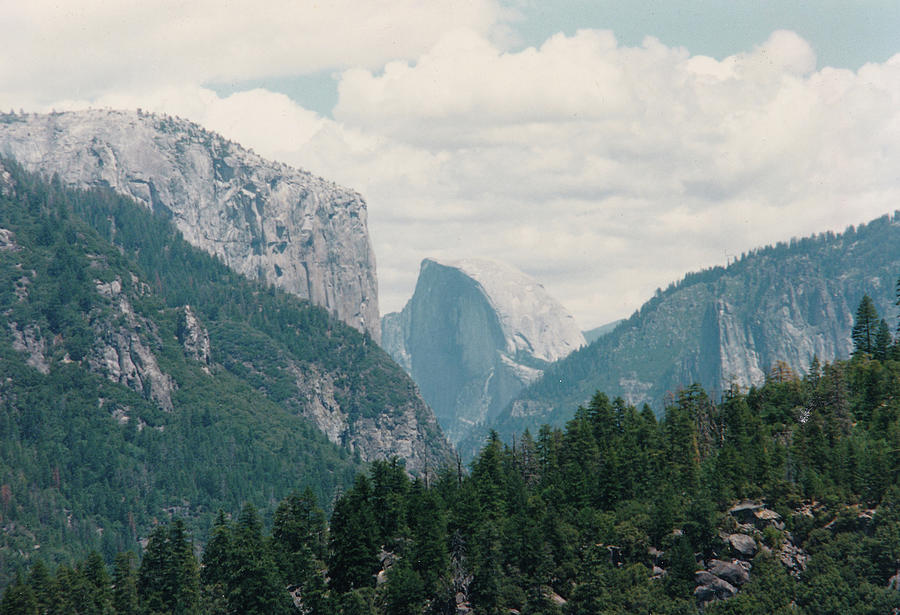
116	293
474	333
728	326
263	219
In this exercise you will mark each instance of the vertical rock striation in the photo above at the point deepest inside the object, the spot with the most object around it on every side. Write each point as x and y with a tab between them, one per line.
264	219
727	327
473	335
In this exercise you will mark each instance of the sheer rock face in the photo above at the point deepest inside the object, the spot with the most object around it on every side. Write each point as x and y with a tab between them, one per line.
263	219
473	335
728	326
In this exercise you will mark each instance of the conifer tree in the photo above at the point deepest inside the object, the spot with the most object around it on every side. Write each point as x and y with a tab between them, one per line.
389	488
428	554
353	559
168	579
98	583
865	326
18	599
124	598
300	544
254	587
40	581
883	341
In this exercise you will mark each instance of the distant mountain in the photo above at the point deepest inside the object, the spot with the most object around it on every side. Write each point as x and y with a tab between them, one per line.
263	219
726	327
143	378
474	333
592	335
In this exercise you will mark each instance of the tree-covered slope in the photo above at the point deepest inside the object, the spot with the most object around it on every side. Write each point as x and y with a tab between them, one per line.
142	378
781	500
727	325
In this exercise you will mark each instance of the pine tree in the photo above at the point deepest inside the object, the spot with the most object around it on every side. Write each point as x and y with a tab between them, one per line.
353	559
389	488
18	599
428	553
255	589
883	341
98	583
865	326
168	579
404	592
40	581
301	548
216	562
124	598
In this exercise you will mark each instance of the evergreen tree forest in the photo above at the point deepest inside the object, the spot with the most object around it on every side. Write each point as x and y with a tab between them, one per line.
618	512
91	282
783	498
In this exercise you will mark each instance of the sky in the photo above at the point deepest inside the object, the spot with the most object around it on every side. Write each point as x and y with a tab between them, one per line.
604	148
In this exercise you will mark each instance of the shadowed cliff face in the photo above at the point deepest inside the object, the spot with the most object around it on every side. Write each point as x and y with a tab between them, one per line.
263	219
473	335
728	326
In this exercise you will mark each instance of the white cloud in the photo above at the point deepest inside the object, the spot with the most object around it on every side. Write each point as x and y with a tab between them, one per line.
86	48
605	171
606	167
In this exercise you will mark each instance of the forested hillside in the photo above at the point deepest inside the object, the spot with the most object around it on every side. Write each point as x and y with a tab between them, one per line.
783	499
790	302
142	379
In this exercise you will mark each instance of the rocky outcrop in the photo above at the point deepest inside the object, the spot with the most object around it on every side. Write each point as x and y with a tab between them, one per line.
732	572
711	588
121	352
473	335
263	219
193	336
727	327
30	341
410	432
7	240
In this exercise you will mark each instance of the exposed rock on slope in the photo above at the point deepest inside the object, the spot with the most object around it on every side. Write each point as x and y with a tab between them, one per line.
121	349
474	333
83	300
263	219
728	326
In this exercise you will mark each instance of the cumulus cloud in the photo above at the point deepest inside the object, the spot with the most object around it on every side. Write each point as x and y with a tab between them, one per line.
90	47
608	170
603	170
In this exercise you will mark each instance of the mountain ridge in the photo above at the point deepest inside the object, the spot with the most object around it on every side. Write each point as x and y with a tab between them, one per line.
142	376
473	334
264	219
727	326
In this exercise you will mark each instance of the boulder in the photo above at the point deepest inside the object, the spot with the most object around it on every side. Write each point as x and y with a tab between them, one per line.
710	587
732	572
765	517
745	511
743	544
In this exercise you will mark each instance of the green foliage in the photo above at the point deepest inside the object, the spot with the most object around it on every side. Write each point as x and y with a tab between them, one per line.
865	326
571	521
168	579
240	569
524	530
353	562
88	464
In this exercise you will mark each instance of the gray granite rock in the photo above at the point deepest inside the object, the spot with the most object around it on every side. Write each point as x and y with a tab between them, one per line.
263	219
